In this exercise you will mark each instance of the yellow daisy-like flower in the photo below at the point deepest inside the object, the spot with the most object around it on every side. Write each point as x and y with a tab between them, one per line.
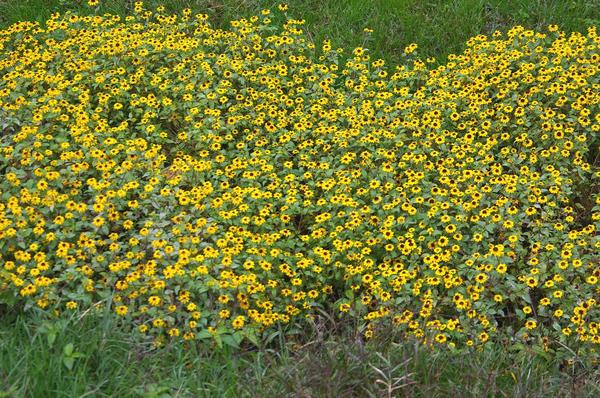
121	310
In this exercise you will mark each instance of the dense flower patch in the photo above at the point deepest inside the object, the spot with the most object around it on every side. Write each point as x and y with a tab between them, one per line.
206	182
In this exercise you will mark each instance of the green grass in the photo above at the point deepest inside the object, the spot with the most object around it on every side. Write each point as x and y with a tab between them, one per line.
34	362
108	362
439	27
92	355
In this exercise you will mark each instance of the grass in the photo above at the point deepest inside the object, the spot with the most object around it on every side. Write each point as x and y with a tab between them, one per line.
93	356
439	27
108	362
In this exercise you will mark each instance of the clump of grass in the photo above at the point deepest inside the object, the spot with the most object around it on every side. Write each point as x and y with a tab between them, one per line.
34	363
92	356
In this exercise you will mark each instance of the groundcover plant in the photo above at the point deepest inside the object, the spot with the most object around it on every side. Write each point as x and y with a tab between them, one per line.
215	184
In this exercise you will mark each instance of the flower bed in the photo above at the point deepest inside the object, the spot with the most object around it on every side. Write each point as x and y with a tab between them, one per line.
215	183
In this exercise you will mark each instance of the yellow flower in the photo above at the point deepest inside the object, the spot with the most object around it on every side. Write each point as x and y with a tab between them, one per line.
155	301
238	322
121	310
410	48
530	324
440	338
558	313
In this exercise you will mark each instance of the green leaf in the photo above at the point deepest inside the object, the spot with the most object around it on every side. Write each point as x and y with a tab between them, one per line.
230	340
68	349
51	337
517	347
219	341
68	362
540	351
7	298
251	336
204	334
238	337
